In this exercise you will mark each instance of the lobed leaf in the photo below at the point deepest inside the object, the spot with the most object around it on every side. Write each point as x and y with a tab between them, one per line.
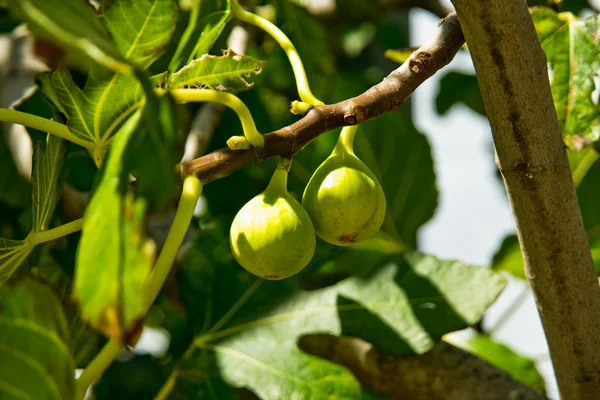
402	303
35	360
95	113
227	72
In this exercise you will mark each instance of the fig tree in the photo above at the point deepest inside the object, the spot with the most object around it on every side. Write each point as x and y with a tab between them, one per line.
272	236
344	199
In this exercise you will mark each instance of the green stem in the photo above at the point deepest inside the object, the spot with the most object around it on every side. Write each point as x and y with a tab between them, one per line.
345	143
287	46
229	100
583	167
44	125
278	183
97	366
192	188
51	234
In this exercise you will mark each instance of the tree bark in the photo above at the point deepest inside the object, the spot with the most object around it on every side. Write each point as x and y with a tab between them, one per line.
443	373
512	72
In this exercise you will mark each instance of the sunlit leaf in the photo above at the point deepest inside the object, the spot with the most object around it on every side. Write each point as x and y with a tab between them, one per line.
227	72
48	160
249	327
503	357
74	25
140	28
114	257
35	361
207	20
572	47
96	112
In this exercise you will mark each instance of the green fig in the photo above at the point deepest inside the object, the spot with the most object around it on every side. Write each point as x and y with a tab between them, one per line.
343	198
272	236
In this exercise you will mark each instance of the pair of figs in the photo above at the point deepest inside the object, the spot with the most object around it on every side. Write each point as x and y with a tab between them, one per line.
273	236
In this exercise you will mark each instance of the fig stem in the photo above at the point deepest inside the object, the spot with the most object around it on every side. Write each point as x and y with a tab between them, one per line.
286	44
227	99
192	189
278	183
345	143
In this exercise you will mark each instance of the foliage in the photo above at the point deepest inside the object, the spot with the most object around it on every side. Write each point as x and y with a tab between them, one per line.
116	106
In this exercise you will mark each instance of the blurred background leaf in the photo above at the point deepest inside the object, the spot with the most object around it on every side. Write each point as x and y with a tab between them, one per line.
36	361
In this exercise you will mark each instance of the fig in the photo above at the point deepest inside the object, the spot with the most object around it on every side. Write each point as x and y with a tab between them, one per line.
344	199
272	236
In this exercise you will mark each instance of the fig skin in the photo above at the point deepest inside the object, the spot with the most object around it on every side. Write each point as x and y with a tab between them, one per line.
344	199
272	236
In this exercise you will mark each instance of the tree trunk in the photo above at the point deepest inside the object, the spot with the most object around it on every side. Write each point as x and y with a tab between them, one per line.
512	72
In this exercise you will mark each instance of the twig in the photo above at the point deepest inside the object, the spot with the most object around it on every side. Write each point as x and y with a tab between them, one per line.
444	373
384	97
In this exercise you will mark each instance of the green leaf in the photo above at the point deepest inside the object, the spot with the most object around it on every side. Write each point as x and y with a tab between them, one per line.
151	155
74	25
400	156
208	18
227	72
456	87
95	113
35	361
114	257
12	254
48	160
572	47
509	258
402	303
141	29
85	342
503	357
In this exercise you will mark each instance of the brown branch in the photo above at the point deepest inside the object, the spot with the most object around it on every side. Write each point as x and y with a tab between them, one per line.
384	97
513	75
444	373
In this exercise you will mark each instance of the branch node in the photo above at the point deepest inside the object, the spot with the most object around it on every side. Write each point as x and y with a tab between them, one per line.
355	113
419	61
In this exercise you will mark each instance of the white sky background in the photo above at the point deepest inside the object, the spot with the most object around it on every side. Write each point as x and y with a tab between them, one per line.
473	214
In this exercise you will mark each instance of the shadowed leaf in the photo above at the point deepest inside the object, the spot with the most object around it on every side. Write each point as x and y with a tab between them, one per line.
35	360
